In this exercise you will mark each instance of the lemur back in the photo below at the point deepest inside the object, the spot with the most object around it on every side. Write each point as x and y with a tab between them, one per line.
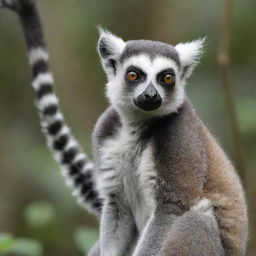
160	183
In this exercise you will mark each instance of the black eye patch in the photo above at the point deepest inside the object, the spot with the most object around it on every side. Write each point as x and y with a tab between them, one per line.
141	75
163	73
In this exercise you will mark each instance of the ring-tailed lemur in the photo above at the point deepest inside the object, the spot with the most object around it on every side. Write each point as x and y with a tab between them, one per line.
161	183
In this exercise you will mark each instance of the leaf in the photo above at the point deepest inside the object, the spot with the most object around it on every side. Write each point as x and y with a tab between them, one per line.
85	238
6	242
26	247
39	214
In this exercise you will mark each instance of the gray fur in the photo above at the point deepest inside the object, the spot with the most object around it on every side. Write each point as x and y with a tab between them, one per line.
194	233
170	201
176	140
117	229
158	173
150	48
174	147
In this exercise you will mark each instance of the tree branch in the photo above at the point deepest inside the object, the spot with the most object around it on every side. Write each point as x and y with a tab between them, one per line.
224	65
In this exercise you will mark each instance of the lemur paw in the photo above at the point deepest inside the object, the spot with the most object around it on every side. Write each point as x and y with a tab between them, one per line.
204	206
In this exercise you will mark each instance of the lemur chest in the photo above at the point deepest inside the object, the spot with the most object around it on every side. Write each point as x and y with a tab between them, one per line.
127	172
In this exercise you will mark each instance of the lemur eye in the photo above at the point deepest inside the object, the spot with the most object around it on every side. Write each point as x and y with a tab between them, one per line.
168	79
132	76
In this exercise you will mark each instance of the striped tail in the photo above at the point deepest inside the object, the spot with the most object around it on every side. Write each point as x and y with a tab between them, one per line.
76	167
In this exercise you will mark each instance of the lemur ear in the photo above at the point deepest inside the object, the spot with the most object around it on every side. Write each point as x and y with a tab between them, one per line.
110	48
190	53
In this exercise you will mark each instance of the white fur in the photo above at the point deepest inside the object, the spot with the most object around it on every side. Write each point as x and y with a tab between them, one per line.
131	183
79	157
76	192
88	166
143	235
41	79
47	100
115	45
86	205
52	119
147	177
37	54
115	88
69	181
204	206
190	53
71	143
65	174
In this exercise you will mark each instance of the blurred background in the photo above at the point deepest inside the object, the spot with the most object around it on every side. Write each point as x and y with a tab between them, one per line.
38	215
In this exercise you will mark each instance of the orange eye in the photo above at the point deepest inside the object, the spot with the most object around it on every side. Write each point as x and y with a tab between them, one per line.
168	79
132	76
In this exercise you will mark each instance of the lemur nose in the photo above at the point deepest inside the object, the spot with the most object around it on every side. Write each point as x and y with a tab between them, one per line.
149	99
150	96
150	93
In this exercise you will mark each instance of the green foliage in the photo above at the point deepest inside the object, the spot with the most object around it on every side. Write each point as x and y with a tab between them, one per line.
39	214
26	247
19	246
247	112
6	242
85	238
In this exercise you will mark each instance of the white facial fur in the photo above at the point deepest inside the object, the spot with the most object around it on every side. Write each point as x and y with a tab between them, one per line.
190	53
111	48
122	98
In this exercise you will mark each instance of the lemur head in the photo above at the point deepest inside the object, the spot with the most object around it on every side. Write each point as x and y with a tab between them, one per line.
144	76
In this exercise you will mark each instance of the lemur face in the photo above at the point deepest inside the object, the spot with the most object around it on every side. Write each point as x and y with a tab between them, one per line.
147	76
150	77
